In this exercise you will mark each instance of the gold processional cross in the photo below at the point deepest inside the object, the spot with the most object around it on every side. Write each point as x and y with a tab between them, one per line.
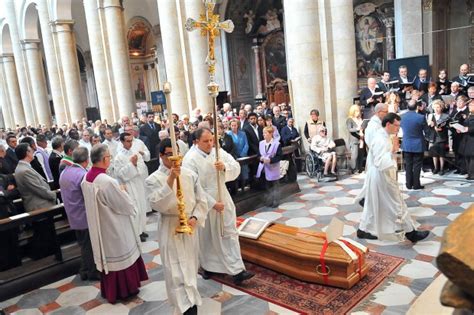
210	26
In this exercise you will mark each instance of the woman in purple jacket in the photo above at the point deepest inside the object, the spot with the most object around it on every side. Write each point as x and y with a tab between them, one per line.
270	156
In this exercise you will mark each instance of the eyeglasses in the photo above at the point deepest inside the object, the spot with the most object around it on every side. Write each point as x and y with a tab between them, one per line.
168	154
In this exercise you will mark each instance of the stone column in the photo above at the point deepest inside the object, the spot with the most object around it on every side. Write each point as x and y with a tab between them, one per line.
408	28
258	71
26	99
173	54
11	81
198	53
4	100
118	49
341	76
100	62
303	58
91	90
70	65
52	61
159	57
37	81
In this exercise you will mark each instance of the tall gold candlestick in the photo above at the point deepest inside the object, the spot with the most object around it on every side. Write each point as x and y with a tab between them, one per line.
183	226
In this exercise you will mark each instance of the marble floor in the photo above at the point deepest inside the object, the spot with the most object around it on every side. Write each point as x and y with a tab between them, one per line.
442	200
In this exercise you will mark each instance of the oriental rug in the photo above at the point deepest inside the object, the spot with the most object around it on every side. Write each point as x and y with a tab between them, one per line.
310	298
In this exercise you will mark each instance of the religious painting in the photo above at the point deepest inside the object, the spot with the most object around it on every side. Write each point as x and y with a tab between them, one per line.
275	58
137	37
138	83
374	26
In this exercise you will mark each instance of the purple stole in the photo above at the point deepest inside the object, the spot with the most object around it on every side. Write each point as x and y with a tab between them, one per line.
272	170
45	156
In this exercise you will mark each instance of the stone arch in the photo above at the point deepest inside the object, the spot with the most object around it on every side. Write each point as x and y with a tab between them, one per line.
29	22
6	41
139	36
61	10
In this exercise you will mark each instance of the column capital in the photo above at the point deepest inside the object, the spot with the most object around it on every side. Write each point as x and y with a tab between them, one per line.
30	44
62	25
113	4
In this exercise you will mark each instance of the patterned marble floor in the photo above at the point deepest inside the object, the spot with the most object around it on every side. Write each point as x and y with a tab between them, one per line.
442	200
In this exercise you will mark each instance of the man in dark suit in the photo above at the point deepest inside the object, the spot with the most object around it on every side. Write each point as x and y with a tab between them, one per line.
413	145
55	158
278	120
10	158
403	79
289	133
150	130
462	78
421	81
459	114
368	98
383	84
254	135
243	121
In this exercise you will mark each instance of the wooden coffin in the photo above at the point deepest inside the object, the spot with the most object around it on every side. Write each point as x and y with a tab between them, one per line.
296	252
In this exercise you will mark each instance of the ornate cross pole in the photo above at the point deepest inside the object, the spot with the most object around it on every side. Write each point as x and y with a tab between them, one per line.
210	27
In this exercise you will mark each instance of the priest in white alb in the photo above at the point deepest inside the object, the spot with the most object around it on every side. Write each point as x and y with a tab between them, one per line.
131	171
179	252
375	123
385	215
115	244
218	253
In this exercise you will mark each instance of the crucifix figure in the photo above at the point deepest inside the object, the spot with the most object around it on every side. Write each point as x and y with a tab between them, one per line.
210	26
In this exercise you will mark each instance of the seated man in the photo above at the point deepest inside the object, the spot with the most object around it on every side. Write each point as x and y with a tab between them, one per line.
322	145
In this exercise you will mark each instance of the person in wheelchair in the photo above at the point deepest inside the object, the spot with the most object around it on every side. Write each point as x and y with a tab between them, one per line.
324	146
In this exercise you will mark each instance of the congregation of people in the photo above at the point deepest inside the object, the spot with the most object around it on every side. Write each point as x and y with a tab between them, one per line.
100	173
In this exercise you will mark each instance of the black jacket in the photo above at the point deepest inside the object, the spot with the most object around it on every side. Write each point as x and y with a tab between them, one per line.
152	137
252	138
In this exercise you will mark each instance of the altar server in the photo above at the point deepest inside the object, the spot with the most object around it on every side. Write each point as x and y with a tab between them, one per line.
115	244
218	254
131	171
385	213
179	252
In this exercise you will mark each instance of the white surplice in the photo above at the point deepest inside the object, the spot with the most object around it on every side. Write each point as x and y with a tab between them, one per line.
217	254
110	214
133	177
179	252
113	146
385	213
373	126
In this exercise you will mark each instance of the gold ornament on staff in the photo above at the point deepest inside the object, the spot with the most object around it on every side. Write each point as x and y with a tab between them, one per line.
210	27
183	226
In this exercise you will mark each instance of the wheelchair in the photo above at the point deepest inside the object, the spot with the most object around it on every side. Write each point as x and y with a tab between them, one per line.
314	167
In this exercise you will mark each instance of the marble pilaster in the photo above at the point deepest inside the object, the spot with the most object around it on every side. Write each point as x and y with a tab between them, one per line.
303	48
101	62
37	81
53	63
408	28
4	100
258	71
91	91
13	90
118	49
26	99
197	54
70	66
339	63
174	49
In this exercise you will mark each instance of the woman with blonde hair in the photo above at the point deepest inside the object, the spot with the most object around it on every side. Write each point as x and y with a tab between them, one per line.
393	102
438	136
356	138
